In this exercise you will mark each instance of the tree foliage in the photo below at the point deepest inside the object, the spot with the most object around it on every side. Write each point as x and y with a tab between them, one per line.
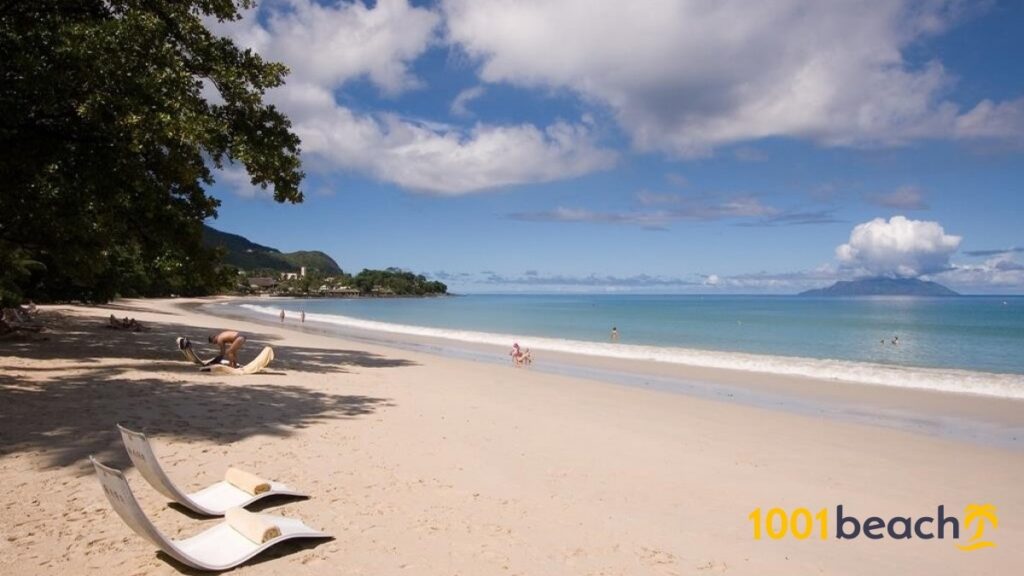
397	281
389	282
107	143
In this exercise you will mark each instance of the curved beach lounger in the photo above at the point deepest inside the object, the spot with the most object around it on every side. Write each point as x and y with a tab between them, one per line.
186	349
261	361
213	500
185	346
219	548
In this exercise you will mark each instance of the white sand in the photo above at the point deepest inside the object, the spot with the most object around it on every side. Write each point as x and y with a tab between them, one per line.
424	465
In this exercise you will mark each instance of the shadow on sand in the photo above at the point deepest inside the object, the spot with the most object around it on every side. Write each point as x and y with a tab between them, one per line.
67	410
87	339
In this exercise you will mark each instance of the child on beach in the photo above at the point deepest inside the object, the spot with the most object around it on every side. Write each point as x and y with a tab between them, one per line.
520	356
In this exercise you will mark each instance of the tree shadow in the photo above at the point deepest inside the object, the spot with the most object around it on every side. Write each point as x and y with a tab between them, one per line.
67	418
86	340
67	410
128	308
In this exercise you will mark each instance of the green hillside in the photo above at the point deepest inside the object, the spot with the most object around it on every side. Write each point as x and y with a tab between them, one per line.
247	255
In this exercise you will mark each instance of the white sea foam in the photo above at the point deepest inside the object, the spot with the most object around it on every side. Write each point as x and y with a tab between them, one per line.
945	380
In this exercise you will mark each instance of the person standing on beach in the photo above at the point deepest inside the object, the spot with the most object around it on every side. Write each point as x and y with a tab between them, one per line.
282	316
230	342
302	316
615	334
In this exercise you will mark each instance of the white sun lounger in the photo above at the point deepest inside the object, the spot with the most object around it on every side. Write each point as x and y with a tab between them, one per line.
185	346
213	500
215	549
261	361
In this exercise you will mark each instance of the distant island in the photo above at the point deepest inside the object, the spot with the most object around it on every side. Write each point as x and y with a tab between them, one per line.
260	269
882	287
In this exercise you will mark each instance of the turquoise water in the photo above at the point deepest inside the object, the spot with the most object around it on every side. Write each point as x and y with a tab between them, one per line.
974	333
961	345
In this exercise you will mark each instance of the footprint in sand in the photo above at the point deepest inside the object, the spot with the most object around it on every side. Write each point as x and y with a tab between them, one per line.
712	566
655	558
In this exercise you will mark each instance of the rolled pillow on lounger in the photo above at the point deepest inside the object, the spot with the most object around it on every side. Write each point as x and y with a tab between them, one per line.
253	526
247	481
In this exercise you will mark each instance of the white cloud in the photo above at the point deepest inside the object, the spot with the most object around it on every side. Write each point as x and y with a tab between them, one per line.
437	158
998	273
239	181
688	76
898	247
462	100
327	46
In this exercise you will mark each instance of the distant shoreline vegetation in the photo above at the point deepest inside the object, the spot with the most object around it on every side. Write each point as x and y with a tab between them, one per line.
261	269
391	282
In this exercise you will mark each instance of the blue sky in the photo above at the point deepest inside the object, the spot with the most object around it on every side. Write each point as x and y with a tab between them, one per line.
707	147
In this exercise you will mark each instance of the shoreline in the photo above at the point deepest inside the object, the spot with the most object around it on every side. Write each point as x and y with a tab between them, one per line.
419	461
958	415
957	380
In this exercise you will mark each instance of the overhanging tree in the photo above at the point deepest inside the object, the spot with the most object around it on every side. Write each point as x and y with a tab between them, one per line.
107	142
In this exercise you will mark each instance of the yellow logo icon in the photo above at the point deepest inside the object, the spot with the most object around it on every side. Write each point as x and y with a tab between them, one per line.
979	514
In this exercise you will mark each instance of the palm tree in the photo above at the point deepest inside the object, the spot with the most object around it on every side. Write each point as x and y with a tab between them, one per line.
980	513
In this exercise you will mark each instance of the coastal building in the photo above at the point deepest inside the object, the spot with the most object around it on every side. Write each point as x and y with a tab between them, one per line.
262	283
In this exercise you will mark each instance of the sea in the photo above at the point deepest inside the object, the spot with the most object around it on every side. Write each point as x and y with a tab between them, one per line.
966	344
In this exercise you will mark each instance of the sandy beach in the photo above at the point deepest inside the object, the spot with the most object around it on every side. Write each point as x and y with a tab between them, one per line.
423	464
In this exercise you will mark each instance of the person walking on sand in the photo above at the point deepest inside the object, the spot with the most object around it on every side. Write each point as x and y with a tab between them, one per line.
229	342
302	316
282	316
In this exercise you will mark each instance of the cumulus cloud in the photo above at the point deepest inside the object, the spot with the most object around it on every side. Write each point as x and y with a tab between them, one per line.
327	46
689	76
903	198
331	44
898	247
437	158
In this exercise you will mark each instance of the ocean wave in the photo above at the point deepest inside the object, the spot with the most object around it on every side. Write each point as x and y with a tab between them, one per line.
944	380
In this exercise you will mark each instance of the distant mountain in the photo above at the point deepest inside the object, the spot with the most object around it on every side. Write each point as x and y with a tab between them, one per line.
247	255
883	287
